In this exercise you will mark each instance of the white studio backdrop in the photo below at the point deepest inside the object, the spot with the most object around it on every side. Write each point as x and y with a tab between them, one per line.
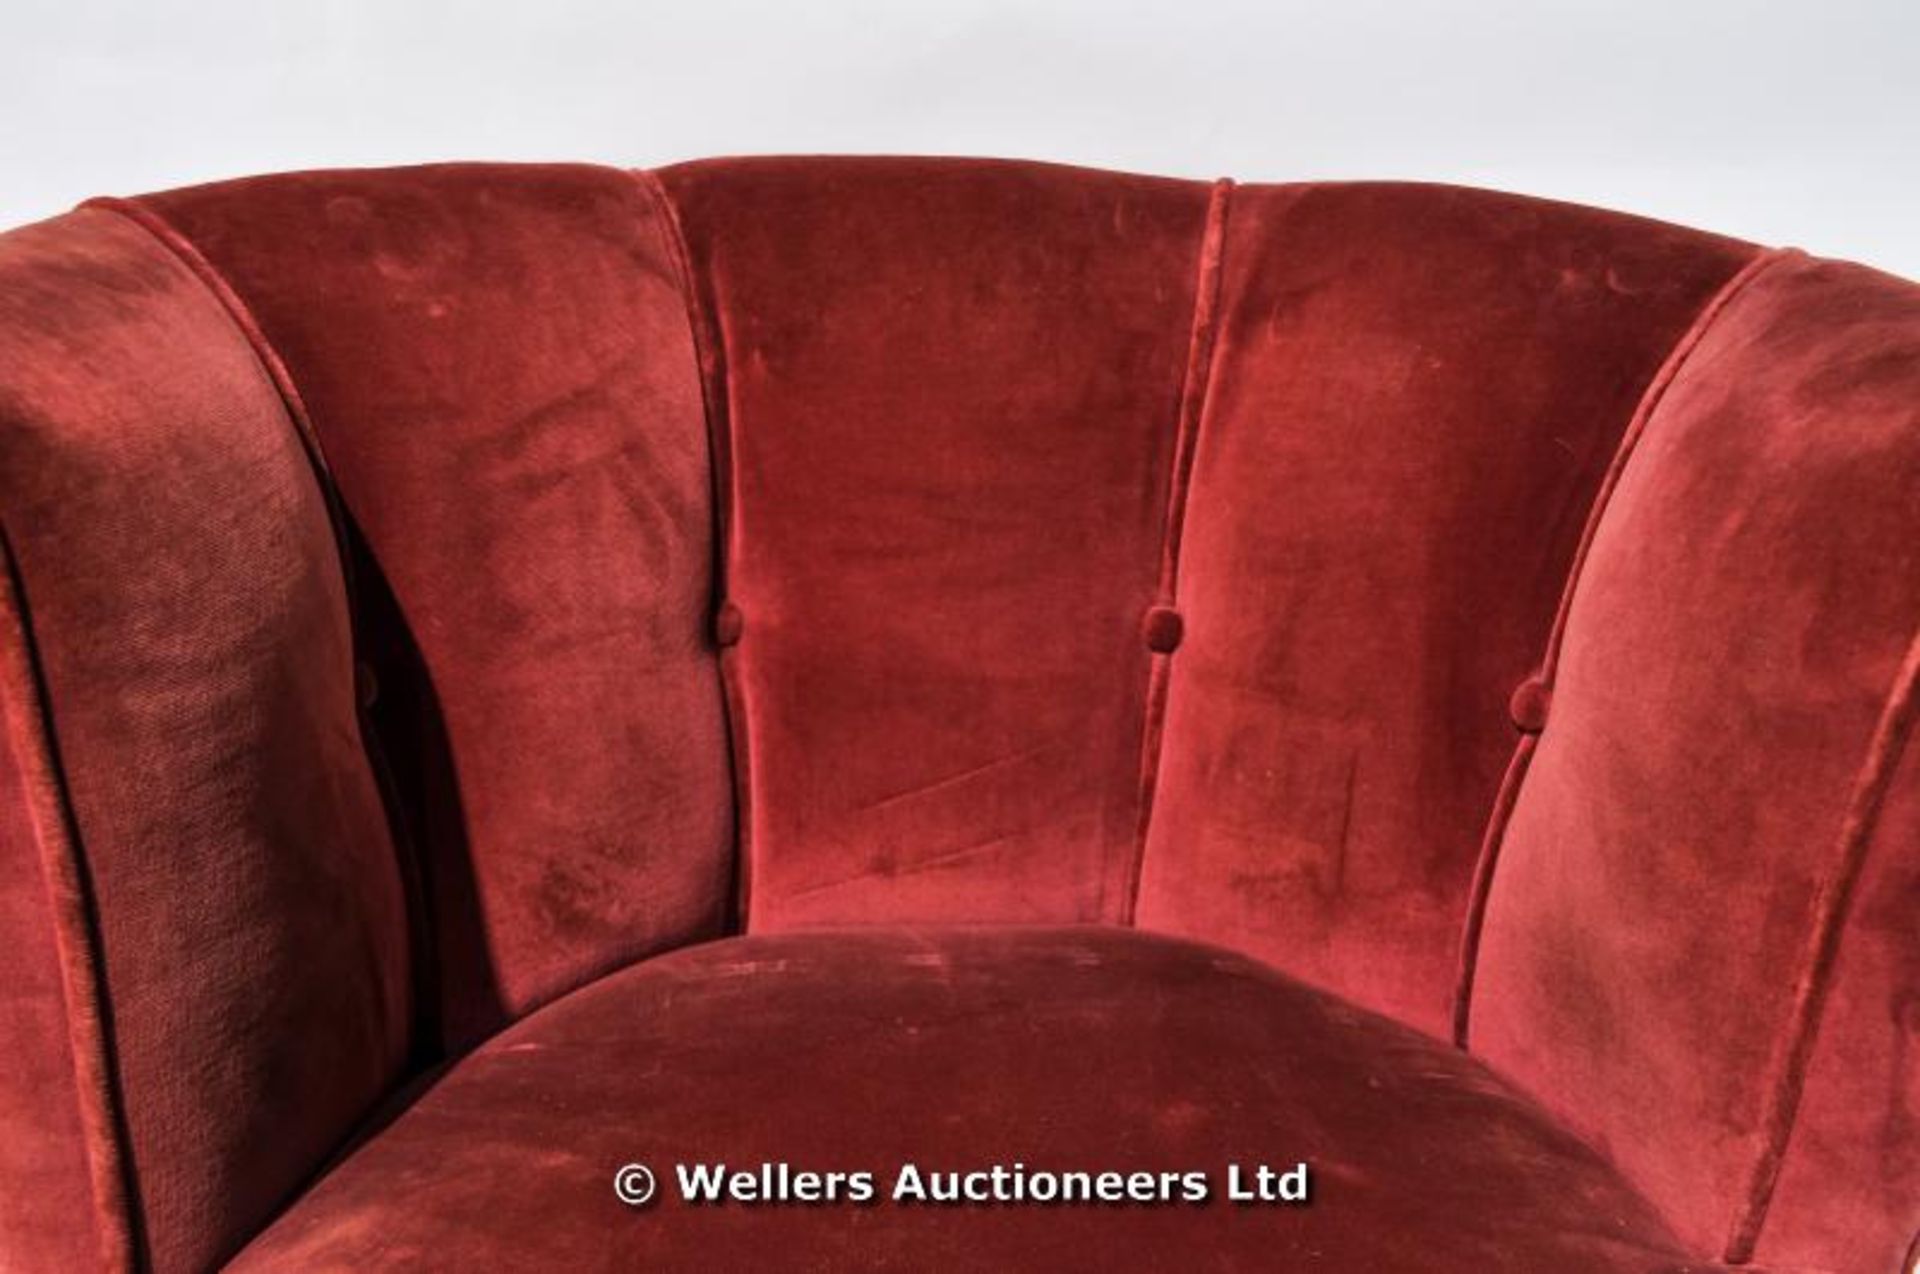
1784	123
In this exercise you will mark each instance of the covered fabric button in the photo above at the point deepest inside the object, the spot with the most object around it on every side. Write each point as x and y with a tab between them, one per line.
1164	629
366	685
1529	705
728	623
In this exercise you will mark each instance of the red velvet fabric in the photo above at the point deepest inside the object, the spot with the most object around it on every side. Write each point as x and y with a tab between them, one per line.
181	716
1415	393
1847	1189
1699	906
946	395
54	1123
1074	1048
497	363
976	541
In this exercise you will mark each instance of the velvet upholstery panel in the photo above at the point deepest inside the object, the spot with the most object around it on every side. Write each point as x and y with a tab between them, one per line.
948	392
1416	390
954	1050
1719	784
497	362
217	855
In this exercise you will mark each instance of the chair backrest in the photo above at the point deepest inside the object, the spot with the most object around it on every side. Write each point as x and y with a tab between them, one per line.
1000	436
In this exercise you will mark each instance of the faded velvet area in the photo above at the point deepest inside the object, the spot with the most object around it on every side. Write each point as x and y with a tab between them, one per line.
497	363
180	586
1060	1048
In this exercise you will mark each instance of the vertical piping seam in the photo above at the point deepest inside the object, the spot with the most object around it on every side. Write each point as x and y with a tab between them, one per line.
709	349
1793	1050
1196	383
1494	837
26	713
1481	887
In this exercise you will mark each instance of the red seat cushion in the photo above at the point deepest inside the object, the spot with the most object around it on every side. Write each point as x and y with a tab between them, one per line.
1069	1049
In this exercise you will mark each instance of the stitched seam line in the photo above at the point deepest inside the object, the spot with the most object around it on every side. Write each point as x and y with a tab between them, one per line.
1787	1074
26	708
1196	382
1482	887
1494	838
709	350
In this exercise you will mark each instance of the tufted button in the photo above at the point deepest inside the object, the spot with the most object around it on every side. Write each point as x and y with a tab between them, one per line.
728	623
1164	628
1529	705
366	686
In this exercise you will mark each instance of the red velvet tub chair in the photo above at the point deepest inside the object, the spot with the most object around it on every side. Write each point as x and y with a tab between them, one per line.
515	671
